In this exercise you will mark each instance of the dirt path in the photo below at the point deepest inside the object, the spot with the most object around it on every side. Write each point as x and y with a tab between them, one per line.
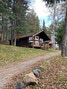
7	74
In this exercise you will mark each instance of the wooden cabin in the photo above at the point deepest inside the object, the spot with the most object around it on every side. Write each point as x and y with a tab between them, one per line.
39	40
0	35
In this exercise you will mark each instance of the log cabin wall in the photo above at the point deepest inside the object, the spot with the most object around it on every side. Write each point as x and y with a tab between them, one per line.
23	42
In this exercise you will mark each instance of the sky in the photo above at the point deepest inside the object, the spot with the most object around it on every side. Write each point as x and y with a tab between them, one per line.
41	10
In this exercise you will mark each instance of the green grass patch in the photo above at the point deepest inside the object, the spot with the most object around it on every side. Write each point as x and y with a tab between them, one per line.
10	54
62	77
65	61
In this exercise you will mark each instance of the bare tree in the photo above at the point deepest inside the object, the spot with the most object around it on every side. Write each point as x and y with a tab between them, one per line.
57	14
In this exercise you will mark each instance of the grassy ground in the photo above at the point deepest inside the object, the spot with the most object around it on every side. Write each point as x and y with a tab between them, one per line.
54	74
10	54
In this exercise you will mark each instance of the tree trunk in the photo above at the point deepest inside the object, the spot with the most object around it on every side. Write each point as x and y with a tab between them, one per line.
12	37
64	42
54	24
2	39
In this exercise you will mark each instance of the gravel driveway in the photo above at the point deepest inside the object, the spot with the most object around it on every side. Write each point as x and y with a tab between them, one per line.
7	74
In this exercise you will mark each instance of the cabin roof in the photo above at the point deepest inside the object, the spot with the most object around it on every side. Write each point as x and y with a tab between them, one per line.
42	34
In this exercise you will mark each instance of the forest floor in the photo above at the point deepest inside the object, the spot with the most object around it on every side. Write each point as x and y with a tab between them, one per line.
10	75
54	74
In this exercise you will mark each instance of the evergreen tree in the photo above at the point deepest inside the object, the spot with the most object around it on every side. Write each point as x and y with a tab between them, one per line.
32	21
13	14
60	32
4	16
37	24
64	41
44	27
17	17
50	30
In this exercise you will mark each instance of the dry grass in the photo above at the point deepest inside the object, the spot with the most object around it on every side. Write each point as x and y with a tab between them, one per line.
10	54
54	74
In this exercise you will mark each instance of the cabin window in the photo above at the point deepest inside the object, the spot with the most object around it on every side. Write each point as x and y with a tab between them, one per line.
0	18
0	35
41	40
30	38
65	43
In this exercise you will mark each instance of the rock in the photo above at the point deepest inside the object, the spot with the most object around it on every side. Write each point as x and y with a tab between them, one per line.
30	79
36	72
39	70
20	85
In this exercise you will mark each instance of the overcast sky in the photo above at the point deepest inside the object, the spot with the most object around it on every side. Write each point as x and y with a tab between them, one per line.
41	10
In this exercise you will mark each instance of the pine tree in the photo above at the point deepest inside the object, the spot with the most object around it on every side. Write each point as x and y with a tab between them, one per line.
14	14
60	32
32	22
44	27
4	16
64	42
